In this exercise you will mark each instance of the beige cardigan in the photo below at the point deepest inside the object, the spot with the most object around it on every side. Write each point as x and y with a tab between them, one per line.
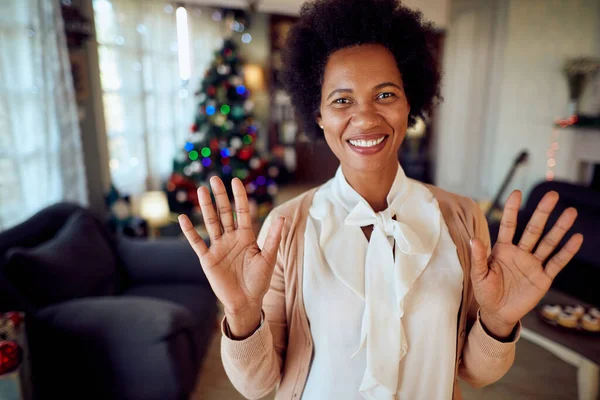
280	351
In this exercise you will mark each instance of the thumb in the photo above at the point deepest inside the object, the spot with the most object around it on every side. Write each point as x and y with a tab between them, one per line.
271	245
479	264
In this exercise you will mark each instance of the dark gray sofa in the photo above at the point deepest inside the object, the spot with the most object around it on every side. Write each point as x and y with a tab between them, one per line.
136	330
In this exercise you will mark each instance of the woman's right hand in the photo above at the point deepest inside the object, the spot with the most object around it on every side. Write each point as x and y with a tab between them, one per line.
239	272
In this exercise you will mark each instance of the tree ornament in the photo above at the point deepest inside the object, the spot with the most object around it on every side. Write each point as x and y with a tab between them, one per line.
10	356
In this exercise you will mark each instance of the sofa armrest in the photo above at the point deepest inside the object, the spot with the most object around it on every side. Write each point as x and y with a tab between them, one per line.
12	299
143	319
121	348
167	260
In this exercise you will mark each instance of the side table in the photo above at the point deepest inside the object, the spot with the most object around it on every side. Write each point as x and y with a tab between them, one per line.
578	350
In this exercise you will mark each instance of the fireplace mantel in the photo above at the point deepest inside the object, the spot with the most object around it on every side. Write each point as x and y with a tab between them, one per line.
581	149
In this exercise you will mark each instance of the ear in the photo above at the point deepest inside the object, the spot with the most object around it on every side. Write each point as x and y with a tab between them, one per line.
319	121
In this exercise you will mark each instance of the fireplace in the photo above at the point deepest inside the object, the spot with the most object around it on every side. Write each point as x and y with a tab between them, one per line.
580	155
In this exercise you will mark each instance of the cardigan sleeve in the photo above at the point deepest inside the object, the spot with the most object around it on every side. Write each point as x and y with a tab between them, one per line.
484	359
254	364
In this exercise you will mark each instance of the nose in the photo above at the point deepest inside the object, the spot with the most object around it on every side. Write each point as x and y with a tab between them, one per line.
365	119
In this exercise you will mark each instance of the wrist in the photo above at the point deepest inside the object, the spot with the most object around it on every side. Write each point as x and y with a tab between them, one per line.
244	323
496	327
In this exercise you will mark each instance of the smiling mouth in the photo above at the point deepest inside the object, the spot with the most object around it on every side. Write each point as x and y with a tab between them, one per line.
367	143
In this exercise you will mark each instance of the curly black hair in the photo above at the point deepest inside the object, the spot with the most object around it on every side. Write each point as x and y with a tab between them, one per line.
325	26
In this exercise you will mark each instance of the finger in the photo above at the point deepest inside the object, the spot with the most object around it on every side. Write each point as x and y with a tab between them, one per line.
192	236
211	220
508	224
223	204
535	226
269	250
562	258
479	262
558	231
242	208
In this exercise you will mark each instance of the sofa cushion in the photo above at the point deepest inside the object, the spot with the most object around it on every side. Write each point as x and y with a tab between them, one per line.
77	262
200	301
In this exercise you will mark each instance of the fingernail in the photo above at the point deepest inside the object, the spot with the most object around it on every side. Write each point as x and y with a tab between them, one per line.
471	242
182	221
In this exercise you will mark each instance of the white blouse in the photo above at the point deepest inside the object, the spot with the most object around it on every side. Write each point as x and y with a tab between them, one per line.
382	312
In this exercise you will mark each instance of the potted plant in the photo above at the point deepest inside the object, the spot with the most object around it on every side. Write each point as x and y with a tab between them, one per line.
576	71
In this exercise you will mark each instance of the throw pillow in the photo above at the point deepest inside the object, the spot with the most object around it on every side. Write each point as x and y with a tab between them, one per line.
77	262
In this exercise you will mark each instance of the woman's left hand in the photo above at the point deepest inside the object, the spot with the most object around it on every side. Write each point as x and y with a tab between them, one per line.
513	279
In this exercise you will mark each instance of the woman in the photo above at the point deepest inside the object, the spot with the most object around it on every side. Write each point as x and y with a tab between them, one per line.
373	285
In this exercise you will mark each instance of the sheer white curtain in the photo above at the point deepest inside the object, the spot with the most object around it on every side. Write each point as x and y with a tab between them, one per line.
472	83
41	160
147	107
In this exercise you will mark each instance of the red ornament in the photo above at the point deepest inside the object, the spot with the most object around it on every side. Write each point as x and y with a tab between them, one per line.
15	317
214	144
194	128
245	153
181	182
211	91
225	161
10	356
228	52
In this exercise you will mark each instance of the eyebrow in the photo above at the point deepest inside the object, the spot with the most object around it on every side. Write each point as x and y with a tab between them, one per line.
376	87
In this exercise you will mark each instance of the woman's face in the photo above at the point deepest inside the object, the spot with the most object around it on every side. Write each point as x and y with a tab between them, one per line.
363	111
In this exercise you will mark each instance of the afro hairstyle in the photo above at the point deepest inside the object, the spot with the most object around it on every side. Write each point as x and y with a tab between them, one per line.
325	26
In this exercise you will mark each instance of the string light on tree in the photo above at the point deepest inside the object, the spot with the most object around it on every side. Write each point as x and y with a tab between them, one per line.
255	163
273	172
181	196
272	189
251	187
196	166
220	120
236	143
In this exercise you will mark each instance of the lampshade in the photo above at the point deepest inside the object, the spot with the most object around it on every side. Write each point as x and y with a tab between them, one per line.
154	208
254	77
418	130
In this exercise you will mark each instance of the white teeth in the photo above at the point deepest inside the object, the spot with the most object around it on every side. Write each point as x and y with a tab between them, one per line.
366	143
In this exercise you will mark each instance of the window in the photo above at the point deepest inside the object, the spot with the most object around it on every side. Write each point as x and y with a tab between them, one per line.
148	107
40	145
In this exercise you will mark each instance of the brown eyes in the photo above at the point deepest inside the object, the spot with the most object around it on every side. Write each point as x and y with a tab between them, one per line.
341	101
344	100
388	94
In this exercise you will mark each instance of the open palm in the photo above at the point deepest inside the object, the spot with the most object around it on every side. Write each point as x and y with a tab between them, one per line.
239	272
513	279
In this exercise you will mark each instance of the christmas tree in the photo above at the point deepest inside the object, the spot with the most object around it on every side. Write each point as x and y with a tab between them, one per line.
223	137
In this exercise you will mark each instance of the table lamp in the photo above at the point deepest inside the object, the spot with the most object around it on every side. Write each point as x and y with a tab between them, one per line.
154	208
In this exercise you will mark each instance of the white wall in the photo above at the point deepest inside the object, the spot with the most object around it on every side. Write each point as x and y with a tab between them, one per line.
503	88
434	10
437	11
541	35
